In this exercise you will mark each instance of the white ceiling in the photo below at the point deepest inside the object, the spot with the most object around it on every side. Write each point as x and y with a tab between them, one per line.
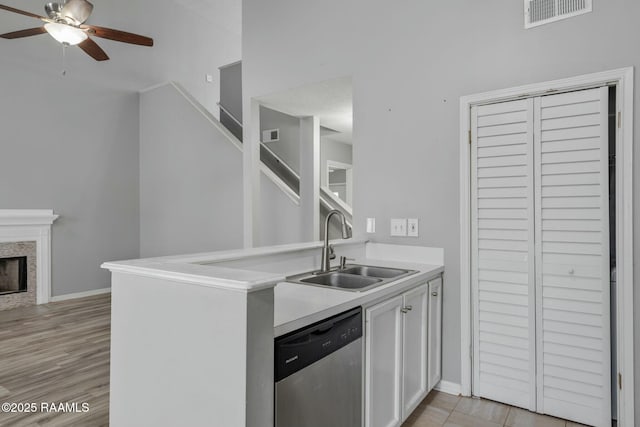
330	100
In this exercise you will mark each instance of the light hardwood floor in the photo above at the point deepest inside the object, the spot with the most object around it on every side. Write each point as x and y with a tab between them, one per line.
54	353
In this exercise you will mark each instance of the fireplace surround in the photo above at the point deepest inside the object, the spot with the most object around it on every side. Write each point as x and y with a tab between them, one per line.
27	233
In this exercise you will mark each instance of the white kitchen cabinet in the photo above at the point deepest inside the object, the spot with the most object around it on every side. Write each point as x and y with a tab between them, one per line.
414	349
383	363
434	353
396	379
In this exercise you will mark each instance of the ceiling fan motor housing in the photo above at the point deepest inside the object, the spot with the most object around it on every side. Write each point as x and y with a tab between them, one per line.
71	12
53	10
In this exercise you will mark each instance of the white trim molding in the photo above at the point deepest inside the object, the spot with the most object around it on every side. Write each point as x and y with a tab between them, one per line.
18	225
622	79
448	387
84	294
27	217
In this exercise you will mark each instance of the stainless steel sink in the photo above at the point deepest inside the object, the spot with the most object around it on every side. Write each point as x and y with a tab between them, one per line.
369	271
355	278
341	280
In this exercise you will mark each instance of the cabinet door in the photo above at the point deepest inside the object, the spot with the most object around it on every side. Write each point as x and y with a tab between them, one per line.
383	359
414	349
434	350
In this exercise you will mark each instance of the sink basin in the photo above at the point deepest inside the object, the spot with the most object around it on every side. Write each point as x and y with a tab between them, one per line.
369	271
342	280
355	278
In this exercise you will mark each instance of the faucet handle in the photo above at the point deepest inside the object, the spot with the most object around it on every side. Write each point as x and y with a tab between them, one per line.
332	253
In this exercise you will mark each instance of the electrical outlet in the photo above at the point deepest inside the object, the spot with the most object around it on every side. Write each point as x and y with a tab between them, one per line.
398	226
208	78
371	225
412	227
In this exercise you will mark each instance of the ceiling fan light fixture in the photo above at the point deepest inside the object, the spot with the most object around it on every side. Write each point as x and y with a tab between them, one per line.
66	34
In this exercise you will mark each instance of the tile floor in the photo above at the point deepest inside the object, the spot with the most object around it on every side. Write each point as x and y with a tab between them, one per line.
444	410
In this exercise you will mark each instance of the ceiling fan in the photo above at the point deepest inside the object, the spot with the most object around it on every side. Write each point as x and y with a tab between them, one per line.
65	23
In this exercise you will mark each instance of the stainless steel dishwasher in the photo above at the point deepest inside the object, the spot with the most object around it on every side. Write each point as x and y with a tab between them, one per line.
318	374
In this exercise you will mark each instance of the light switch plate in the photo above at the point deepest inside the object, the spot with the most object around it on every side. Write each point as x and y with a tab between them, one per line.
398	226
412	227
371	225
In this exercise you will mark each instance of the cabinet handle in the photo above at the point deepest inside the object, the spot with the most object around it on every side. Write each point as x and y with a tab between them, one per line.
434	294
404	310
409	308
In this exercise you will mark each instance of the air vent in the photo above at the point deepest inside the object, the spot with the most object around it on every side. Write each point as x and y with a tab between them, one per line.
539	12
271	135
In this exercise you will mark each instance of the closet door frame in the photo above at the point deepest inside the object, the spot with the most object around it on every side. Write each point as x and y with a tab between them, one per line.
622	79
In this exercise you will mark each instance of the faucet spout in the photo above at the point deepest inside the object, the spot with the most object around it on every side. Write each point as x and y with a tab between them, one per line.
326	250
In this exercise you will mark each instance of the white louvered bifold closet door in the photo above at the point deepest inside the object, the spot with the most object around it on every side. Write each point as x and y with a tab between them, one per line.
572	256
540	254
503	252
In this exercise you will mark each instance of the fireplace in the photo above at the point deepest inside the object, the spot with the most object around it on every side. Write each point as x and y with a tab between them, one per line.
18	277
25	249
13	275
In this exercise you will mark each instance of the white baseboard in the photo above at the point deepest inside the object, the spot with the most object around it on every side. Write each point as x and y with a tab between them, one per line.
448	387
80	294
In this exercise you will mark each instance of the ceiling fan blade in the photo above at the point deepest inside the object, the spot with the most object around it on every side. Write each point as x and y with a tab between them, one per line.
93	50
24	33
21	12
77	10
117	35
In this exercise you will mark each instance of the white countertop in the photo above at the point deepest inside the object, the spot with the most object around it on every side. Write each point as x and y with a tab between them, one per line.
201	269
297	305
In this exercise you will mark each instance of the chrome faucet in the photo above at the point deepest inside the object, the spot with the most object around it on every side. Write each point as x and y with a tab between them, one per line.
327	250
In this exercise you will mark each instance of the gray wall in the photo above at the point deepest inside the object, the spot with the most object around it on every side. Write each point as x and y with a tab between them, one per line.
288	147
411	62
193	39
281	218
72	147
190	179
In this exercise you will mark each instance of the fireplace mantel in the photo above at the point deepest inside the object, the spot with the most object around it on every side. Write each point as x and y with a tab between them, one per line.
18	225
27	217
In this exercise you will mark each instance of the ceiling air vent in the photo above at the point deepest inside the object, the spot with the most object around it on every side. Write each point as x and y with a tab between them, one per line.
538	12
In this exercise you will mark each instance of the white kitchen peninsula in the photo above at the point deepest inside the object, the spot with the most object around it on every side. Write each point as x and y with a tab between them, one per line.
192	336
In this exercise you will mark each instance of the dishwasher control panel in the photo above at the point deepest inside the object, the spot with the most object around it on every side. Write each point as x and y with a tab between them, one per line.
305	346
